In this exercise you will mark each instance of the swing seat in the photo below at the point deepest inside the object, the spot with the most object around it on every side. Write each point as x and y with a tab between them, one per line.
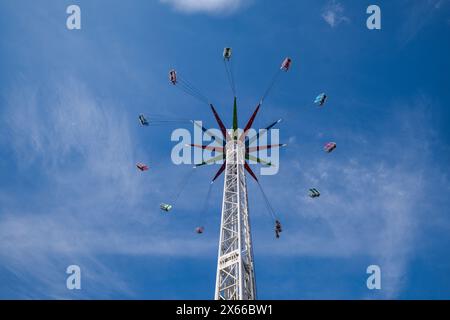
286	64
314	193
227	53
173	76
320	99
141	166
199	230
329	147
165	207
142	120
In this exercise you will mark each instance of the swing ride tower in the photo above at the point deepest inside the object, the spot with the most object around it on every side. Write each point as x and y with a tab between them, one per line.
235	278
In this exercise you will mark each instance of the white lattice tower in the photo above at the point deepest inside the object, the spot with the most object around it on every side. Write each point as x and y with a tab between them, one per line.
235	278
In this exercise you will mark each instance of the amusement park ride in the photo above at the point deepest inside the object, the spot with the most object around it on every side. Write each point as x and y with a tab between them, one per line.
235	278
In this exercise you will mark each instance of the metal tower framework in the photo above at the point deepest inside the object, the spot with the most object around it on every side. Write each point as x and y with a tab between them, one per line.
235	278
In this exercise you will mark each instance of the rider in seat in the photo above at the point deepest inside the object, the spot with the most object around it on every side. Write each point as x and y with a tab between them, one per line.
277	228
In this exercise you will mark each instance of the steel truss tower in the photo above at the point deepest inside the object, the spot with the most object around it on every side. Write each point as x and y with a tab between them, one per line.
235	278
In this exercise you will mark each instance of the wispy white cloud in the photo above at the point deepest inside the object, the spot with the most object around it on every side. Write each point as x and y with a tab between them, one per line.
96	204
91	201
437	3
207	6
419	14
333	14
370	206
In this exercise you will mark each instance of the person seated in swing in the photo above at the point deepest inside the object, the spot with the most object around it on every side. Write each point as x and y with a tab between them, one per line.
278	229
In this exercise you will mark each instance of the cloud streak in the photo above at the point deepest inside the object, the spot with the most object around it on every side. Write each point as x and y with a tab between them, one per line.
372	201
95	203
417	16
91	200
207	6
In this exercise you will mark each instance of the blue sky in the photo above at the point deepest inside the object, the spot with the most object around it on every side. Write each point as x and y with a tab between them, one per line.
69	140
